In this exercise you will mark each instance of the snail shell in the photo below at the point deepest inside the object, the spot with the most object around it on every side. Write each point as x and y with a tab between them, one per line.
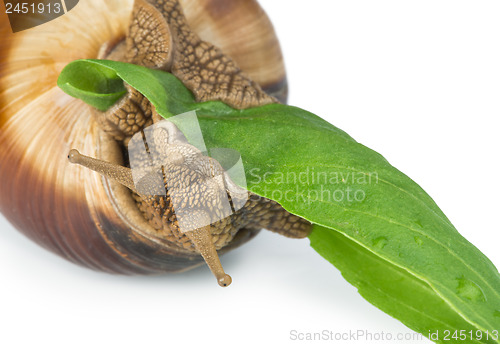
73	211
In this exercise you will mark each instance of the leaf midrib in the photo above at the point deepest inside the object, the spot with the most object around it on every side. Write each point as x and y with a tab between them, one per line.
396	271
409	271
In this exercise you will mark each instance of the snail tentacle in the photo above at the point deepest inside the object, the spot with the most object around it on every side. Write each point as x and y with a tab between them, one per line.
121	174
202	239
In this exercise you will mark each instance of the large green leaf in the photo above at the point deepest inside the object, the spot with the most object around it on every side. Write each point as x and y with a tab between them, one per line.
385	234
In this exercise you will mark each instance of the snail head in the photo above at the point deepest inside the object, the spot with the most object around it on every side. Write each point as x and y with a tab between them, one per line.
186	197
188	192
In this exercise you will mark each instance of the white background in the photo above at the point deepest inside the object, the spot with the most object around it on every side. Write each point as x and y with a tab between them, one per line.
417	81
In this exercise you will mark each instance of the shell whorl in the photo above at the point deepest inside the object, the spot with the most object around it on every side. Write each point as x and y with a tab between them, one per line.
65	209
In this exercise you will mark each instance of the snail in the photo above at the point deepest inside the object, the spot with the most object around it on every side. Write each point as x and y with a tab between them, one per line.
105	221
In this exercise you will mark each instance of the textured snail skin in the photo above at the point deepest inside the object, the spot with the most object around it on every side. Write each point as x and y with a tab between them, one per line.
71	211
260	57
201	66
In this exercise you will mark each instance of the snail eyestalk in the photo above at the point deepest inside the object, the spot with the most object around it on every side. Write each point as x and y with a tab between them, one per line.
121	174
203	242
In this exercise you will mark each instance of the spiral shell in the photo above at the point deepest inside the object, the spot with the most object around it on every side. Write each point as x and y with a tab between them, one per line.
71	211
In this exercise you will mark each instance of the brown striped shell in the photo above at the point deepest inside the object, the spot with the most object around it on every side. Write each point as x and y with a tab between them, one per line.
73	211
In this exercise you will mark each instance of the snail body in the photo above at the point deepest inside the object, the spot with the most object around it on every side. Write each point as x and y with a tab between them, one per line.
89	219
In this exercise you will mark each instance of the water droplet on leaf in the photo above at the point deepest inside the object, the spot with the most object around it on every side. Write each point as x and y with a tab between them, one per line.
470	290
380	242
418	241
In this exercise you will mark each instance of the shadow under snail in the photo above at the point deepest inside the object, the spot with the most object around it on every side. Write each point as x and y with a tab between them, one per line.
106	221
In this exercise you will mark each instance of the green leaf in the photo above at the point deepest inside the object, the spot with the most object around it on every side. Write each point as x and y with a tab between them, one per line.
384	233
393	289
96	85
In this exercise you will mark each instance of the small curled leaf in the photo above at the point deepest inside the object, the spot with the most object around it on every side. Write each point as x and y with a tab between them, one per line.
96	85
